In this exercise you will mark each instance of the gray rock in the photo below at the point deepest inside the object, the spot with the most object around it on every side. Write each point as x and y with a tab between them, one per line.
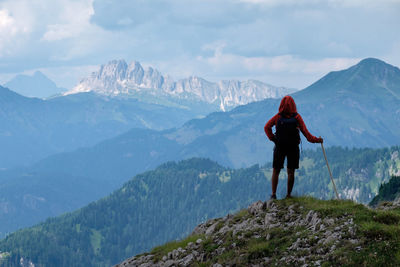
295	245
199	229
219	251
267	260
309	216
269	219
329	221
354	241
256	208
224	229
211	229
188	260
170	263
175	254
148	257
201	257
270	205
329	239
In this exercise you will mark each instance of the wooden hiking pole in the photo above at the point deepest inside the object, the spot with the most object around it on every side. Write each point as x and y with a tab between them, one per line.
329	169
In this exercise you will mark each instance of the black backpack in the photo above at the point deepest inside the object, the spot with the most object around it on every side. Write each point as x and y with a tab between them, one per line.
287	131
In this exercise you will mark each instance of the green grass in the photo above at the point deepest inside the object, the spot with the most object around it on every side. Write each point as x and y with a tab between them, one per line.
219	226
259	249
377	230
241	215
163	250
209	246
95	240
378	233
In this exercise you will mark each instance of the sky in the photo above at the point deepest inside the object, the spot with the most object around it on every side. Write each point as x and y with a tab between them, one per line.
288	43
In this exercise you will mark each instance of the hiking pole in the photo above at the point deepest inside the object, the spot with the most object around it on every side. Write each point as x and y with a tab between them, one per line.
329	169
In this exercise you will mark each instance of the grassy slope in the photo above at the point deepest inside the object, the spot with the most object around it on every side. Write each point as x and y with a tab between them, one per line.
377	231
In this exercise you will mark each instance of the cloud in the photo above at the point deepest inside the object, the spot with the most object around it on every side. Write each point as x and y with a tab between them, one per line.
73	21
287	42
205	13
283	64
11	32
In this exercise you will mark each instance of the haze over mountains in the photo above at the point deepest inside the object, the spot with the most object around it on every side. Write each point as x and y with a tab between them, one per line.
354	107
32	128
114	100
119	78
35	85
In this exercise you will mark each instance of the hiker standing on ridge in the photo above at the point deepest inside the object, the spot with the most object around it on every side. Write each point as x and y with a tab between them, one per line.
287	123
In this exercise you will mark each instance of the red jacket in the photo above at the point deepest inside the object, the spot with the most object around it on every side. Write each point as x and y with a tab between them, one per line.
288	106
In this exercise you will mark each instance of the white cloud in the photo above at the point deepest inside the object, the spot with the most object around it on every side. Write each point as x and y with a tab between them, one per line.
74	19
283	63
332	3
11	31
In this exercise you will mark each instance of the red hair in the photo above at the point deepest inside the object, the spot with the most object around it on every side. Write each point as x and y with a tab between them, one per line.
287	106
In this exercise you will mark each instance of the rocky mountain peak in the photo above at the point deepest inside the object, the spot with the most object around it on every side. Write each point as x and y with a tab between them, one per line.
135	72
117	77
114	69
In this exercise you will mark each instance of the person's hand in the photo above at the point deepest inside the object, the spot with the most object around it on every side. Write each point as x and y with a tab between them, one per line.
320	140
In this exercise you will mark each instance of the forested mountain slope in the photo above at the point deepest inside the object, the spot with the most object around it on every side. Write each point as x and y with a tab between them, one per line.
167	203
389	191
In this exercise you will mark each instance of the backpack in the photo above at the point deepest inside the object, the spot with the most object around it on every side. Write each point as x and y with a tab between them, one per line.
287	132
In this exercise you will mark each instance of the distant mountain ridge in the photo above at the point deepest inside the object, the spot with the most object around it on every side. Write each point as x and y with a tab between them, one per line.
118	78
35	85
33	128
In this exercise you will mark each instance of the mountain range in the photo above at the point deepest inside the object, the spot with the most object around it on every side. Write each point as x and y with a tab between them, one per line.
33	128
356	107
35	85
119	78
116	99
348	108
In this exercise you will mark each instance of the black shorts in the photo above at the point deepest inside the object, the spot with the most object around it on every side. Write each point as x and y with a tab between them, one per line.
291	152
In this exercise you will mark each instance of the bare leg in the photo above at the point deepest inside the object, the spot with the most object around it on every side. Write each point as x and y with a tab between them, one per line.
274	180
290	181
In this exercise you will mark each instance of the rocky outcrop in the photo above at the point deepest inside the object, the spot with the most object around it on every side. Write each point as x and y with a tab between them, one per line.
119	78
277	233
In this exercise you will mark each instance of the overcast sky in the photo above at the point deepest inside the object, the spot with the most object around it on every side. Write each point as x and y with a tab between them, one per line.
282	42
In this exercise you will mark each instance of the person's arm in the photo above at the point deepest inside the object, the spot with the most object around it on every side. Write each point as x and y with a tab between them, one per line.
310	138
268	128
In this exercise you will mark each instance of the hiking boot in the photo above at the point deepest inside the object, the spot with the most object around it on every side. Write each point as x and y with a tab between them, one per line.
272	197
